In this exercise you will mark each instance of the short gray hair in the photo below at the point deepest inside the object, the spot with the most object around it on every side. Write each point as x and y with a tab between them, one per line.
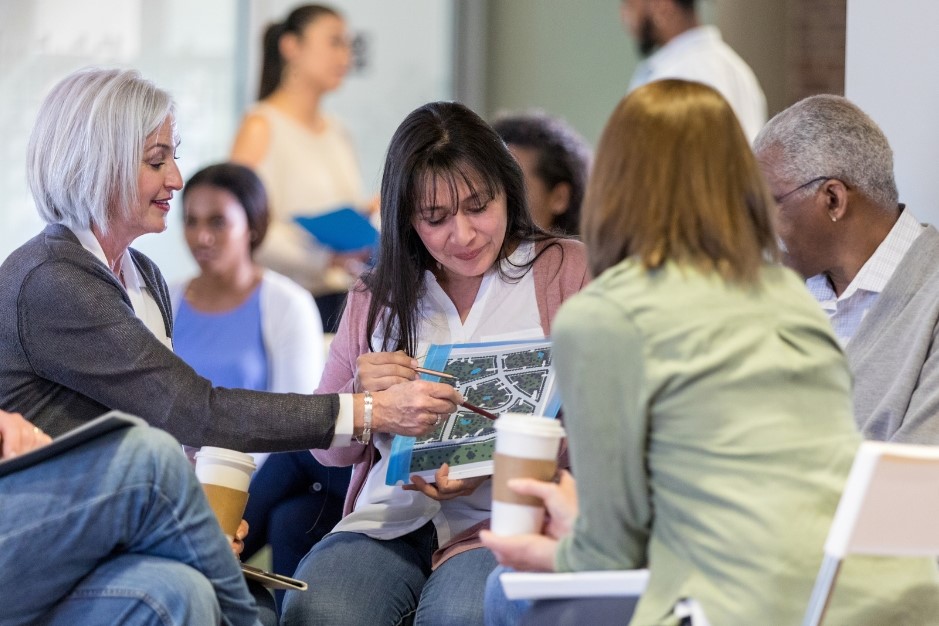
830	136
86	147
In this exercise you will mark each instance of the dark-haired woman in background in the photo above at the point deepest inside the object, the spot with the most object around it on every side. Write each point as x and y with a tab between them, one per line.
304	156
245	327
460	261
555	161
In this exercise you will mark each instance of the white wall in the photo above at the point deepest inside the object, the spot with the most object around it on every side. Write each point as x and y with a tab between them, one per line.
206	54
891	72
167	40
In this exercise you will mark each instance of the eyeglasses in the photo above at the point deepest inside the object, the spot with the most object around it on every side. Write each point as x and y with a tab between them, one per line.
779	199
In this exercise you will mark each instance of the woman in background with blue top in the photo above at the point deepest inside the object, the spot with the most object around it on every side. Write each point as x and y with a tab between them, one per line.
245	327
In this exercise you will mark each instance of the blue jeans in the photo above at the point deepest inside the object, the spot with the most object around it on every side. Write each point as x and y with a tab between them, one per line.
116	531
295	501
499	610
355	579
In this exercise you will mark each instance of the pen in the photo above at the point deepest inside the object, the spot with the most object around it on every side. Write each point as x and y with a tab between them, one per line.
465	404
479	411
424	370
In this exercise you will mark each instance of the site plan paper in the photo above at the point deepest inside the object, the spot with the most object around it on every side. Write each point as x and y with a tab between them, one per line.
501	377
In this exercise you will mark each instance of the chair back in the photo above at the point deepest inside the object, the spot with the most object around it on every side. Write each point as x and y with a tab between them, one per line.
890	503
889	507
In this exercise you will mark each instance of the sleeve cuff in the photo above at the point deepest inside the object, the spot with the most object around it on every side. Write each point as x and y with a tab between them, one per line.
342	437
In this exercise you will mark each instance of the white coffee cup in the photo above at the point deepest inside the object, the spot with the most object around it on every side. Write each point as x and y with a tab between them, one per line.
526	447
225	475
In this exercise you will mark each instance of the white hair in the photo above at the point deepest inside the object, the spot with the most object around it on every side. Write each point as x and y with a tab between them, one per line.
830	136
86	147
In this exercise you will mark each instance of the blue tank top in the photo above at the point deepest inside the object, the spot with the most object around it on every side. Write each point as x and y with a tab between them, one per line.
227	348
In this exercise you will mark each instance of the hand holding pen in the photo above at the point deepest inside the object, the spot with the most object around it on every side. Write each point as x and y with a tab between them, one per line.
376	371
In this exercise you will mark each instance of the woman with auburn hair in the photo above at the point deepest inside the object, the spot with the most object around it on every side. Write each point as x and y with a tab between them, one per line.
706	400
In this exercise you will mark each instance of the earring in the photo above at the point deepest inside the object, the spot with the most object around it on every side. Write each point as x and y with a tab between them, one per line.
834	219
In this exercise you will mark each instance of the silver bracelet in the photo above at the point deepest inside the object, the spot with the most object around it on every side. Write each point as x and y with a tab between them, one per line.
366	420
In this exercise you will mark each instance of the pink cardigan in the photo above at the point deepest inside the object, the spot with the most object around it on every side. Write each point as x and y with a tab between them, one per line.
555	281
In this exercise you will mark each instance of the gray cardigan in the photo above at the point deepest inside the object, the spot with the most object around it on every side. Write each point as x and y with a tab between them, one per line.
72	348
894	354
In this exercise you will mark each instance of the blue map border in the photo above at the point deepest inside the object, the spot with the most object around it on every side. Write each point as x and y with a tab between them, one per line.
399	464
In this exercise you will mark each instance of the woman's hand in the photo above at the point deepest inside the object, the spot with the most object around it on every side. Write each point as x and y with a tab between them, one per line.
413	408
532	552
376	371
445	488
238	543
19	436
560	501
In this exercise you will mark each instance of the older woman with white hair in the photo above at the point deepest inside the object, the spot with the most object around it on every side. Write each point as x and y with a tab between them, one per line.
85	320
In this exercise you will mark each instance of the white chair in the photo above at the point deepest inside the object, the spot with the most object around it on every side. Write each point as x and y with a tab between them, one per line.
619	583
890	507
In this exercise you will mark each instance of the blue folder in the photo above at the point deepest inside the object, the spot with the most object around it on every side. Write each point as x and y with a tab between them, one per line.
342	230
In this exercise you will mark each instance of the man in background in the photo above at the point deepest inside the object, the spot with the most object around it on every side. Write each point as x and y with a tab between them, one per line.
868	261
674	44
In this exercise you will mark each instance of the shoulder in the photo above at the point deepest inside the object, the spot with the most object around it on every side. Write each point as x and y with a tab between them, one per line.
280	286
284	298
252	139
560	259
593	311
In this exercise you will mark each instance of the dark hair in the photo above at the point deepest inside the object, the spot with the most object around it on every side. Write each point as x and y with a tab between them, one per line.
687	5
272	65
447	140
247	188
563	157
674	179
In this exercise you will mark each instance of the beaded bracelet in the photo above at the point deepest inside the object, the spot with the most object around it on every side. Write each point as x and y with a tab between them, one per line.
367	420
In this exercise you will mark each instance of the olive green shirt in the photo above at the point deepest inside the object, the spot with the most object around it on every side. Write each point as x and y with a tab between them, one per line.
711	433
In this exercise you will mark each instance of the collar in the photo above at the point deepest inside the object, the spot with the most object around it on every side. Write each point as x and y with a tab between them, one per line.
128	270
879	268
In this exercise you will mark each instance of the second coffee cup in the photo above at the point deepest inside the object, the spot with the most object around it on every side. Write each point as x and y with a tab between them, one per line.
526	447
225	476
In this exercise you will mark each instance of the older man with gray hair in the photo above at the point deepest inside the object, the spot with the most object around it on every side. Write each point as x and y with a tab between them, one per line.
871	265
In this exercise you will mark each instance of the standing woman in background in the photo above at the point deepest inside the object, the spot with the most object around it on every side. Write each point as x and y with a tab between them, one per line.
245	327
304	157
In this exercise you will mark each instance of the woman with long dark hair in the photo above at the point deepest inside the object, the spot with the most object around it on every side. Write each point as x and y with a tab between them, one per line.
460	261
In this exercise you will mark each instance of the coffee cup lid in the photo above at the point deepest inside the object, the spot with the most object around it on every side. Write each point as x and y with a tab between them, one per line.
226	455
530	424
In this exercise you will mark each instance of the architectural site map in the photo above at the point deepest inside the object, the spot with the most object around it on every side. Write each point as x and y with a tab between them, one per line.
502	377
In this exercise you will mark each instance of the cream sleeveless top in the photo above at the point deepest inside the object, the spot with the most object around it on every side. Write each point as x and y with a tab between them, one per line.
305	173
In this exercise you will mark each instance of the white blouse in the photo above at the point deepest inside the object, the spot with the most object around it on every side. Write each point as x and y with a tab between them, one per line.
502	311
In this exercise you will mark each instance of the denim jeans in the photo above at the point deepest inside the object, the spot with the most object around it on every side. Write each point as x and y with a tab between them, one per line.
355	579
499	610
116	531
294	502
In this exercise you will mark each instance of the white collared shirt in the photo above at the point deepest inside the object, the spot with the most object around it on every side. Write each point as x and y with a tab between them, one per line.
847	311
700	54
502	311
